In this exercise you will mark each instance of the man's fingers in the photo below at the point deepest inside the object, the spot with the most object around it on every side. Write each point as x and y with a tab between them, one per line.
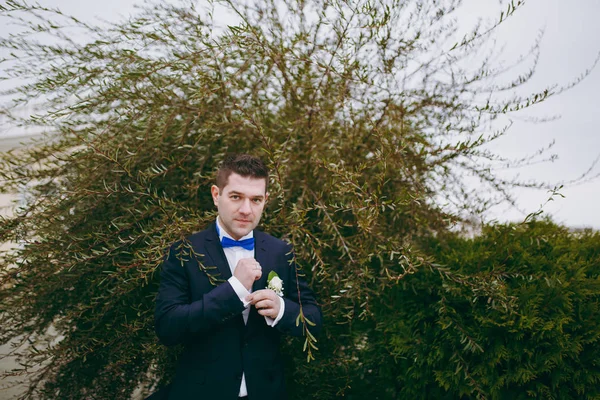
267	313
265	293
254	300
248	271
260	295
267	303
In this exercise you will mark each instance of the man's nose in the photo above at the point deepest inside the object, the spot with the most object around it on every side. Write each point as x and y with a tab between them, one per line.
245	207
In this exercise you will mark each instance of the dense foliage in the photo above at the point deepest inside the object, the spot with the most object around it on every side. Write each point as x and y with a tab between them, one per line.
369	114
543	345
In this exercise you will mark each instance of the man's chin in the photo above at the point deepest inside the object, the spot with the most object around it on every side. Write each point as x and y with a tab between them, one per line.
240	233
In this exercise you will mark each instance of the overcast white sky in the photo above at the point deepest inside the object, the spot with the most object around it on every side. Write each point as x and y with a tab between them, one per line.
570	45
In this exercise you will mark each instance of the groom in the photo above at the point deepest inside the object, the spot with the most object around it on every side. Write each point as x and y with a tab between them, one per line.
214	297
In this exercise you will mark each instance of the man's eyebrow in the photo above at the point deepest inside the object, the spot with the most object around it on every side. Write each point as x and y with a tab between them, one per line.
258	196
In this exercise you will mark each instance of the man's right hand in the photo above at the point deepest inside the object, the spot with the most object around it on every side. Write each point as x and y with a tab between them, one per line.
247	271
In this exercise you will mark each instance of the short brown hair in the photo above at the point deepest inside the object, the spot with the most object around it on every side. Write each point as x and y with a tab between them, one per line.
244	165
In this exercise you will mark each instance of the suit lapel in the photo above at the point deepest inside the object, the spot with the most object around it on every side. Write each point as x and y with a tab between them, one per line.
260	254
214	251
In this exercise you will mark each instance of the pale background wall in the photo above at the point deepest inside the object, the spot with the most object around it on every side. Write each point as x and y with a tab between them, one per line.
8	390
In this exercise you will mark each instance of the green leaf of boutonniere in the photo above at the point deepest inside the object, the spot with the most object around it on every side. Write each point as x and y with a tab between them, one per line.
272	275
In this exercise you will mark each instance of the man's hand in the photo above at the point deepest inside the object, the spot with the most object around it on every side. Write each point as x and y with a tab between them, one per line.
266	302
247	271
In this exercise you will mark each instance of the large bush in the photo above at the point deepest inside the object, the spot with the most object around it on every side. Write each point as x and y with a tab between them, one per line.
531	331
543	345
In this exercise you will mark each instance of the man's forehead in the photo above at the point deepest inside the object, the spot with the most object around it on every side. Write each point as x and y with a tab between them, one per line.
245	185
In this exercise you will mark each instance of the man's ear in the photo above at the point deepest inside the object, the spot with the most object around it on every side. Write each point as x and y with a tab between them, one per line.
214	190
266	196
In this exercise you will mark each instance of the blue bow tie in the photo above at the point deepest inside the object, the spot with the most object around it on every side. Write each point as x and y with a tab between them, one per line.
247	244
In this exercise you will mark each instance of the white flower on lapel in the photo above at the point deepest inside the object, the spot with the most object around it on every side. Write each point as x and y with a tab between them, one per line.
275	283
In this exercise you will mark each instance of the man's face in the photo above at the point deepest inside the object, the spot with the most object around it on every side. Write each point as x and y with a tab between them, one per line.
240	204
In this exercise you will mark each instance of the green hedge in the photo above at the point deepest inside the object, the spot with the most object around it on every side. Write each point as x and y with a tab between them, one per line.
532	334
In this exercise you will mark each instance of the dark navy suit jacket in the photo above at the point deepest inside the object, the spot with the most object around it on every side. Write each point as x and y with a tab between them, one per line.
207	319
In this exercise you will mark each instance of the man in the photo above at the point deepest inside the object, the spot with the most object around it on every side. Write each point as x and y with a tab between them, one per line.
230	324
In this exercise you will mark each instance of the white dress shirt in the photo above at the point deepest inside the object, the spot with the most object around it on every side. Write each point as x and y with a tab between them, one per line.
234	255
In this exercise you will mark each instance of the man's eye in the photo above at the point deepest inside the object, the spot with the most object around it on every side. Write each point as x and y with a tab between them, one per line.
235	197
257	201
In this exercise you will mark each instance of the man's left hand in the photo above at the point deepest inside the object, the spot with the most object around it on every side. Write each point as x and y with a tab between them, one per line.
266	302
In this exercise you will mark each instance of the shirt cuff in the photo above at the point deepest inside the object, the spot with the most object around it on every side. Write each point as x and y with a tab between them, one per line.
240	290
272	322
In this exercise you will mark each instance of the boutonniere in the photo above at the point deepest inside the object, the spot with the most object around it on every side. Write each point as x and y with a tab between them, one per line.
275	283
